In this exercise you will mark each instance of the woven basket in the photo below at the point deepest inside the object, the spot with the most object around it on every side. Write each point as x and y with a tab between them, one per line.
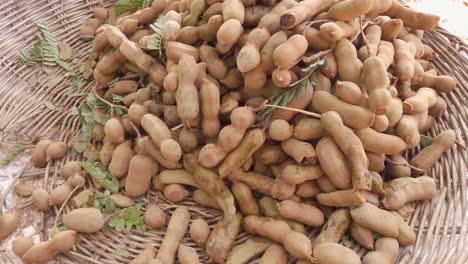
440	224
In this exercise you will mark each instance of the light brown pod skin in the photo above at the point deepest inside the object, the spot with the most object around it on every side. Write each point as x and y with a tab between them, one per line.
40	198
403	190
146	256
249	56
377	142
206	200
187	255
24	189
439	108
442	83
233	9
105	154
39	253
268	227
298	245
297	103
199	231
362	235
280	130
114	131
386	252
56	150
341	198
301	212
307	189
215	66
334	253
302	152
122	200
222	237
136	113
188	140
159	132
244	198
376	161
154	216
274	254
349	66
424	98
380	123
334	31
252	141
404	65
84	220
141	169
376	219
210	105
120	162
397	171
300	12
58	195
325	184
349	92
228	35
175	192
280	189
257	182
187	94
353	116
412	18
8	224
268	207
286	54
175	231
39	156
349	9
351	146
22	245
308	128
407	129
272	155
63	241
375	81
71	168
333	162
394	111
407	235
124	87
295	174
336	225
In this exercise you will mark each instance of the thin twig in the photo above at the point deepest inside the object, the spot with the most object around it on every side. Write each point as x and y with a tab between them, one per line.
364	38
136	130
177	127
63	206
317	55
109	103
312	114
402	164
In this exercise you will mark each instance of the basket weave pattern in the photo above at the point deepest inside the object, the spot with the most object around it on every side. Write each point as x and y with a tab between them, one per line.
441	224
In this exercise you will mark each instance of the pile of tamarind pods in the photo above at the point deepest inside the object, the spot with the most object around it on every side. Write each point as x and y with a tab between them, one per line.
332	158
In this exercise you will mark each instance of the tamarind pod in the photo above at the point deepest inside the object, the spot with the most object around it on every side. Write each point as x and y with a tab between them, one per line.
375	81
442	83
362	235
386	251
304	213
412	18
428	156
333	31
254	13
233	9
403	190
394	111
407	129
187	94
298	103
333	162
377	142
341	198
210	183
404	65
353	116
424	98
287	54
349	92
351	146
335	227
349	66
438	108
252	141
269	208
303	11
376	219
147	146
244	252
313	37
379	7
296	174
302	152
376	161
244	198
228	35
222	237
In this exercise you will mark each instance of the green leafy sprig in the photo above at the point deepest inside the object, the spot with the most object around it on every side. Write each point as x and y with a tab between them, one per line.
128	5
295	90
45	50
425	141
100	174
155	41
131	217
14	151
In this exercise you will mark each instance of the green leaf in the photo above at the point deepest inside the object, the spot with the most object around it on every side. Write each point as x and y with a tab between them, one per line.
122	252
127	5
33	81
74	111
13	152
53	82
425	141
102	176
51	106
117	99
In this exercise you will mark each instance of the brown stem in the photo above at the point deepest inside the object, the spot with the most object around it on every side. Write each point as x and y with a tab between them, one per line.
63	206
317	55
177	127
109	103
137	131
402	164
312	114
